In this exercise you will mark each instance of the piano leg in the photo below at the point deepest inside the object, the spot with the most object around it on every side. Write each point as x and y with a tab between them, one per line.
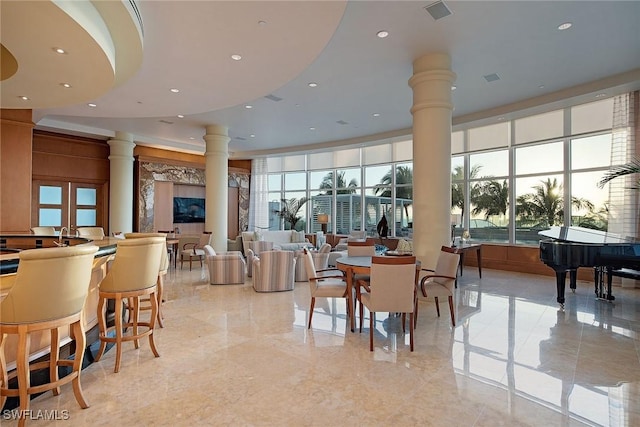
573	275
609	297
560	279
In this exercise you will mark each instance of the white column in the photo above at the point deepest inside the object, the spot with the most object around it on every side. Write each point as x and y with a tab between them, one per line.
432	110
216	188
121	182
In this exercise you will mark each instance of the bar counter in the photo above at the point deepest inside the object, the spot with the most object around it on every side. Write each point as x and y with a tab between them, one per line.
10	247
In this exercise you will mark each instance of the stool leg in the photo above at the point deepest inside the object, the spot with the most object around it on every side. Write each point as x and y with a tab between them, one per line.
102	324
118	332
81	342
152	323
160	293
4	378
54	356
24	376
136	318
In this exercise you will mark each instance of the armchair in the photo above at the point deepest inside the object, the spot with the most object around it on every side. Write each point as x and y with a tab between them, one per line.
274	271
441	281
190	249
225	268
320	261
353	235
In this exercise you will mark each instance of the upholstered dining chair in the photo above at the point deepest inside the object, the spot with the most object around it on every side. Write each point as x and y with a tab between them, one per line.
440	282
327	283
43	231
320	261
361	248
274	271
93	233
49	292
164	268
133	274
391	288
226	268
191	250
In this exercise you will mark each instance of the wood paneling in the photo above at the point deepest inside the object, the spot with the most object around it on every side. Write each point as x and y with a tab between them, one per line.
168	157
163	206
232	215
16	128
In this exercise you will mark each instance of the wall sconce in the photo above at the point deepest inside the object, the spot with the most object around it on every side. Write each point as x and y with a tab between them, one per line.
323	220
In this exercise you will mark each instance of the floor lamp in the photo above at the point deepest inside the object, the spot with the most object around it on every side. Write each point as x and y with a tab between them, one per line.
323	220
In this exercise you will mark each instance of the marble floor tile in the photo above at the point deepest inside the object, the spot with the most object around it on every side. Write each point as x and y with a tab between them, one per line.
232	357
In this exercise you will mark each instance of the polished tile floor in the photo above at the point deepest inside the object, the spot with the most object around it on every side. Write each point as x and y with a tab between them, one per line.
231	356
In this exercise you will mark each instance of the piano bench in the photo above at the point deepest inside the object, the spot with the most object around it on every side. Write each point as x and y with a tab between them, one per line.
627	273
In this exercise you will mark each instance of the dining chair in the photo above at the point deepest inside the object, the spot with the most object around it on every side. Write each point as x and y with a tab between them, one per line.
361	248
328	283
191	250
93	233
47	297
391	289
441	282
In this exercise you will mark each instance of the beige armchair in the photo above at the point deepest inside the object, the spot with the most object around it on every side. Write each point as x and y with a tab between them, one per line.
225	268
190	250
49	292
353	235
441	282
274	271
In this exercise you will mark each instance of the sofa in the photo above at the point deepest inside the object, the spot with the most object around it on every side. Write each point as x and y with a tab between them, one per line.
286	240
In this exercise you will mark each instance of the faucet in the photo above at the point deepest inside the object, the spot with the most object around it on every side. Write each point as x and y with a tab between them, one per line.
59	242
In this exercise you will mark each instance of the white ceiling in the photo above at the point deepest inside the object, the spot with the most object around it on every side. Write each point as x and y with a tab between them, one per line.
188	44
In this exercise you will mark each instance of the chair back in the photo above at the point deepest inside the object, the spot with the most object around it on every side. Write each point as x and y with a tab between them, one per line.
393	283
361	248
326	248
309	266
136	265
43	231
164	258
205	239
447	265
50	283
93	233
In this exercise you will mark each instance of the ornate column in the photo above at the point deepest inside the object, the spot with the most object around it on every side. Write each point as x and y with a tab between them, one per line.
432	110
216	184
121	182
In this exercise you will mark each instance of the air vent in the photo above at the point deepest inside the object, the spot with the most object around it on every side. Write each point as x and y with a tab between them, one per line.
342	122
165	122
273	98
438	10
239	138
491	77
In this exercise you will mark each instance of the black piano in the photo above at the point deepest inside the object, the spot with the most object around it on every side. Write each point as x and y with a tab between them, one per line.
567	248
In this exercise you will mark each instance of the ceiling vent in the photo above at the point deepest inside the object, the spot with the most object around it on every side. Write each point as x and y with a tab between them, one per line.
438	10
491	77
167	122
241	138
342	122
273	98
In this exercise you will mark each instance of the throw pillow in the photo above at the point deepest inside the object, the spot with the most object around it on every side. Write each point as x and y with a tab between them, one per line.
297	237
257	236
404	246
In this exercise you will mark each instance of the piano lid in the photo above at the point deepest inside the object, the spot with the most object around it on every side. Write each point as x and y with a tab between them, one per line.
584	235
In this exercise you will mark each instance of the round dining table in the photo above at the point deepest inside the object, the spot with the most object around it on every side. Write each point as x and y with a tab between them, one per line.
352	265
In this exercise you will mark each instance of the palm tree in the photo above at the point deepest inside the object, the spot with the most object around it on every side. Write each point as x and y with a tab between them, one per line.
622	170
404	176
546	203
457	186
493	199
341	184
290	209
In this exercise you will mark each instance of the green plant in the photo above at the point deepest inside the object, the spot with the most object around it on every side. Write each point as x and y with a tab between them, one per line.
622	170
289	210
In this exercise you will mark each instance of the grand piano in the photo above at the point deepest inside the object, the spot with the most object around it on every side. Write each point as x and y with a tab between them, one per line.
564	249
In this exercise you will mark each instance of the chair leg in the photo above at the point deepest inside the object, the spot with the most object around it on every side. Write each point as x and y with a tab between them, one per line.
362	315
160	294
453	316
136	319
102	326
410	331
313	303
24	376
415	317
371	325
81	342
54	356
118	328
4	378
152	323
437	306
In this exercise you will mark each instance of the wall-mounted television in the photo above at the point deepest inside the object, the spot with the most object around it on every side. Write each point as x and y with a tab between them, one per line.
188	209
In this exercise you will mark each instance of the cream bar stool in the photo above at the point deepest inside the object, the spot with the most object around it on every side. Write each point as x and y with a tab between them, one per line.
164	267
133	274
49	291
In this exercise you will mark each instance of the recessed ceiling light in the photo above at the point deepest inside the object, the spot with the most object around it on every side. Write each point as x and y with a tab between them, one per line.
454	87
541	87
236	57
192	138
601	95
92	105
382	34
252	136
376	114
67	85
180	116
248	107
565	26
174	90
24	98
312	84
312	128
262	22
59	50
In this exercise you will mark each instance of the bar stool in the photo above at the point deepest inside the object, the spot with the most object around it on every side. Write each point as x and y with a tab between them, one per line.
133	274
49	292
164	267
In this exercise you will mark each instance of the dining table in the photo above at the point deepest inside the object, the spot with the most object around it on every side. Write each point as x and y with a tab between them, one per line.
351	266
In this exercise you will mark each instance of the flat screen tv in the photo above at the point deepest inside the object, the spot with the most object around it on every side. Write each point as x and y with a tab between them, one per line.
188	209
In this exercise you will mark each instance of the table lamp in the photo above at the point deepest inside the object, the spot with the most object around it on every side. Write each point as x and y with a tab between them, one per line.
323	220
